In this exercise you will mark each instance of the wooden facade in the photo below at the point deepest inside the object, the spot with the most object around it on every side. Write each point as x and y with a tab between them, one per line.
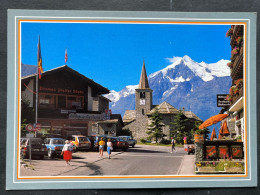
67	101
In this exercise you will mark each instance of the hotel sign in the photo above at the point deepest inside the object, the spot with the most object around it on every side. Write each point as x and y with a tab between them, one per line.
61	90
222	100
93	117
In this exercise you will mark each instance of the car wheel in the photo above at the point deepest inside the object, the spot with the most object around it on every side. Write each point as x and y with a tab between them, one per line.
133	145
42	157
50	154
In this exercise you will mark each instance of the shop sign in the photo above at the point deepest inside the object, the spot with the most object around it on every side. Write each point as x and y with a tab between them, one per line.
85	116
222	100
29	135
64	111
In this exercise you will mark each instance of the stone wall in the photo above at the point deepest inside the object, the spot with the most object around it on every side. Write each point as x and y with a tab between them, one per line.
198	151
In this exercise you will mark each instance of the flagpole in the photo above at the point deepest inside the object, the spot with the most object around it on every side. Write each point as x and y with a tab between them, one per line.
37	81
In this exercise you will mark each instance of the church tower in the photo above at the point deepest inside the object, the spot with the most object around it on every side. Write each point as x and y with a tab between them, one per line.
143	102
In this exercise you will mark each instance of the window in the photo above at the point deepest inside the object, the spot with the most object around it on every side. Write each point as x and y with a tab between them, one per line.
74	102
143	111
47	100
142	95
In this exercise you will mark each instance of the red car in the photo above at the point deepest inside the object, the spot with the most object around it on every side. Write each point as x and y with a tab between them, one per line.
119	143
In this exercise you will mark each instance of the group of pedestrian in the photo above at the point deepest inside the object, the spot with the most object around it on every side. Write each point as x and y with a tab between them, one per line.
102	146
68	147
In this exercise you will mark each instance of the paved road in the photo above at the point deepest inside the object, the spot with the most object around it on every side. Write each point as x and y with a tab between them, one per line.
141	160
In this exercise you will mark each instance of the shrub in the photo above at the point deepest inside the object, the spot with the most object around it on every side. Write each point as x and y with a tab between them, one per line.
165	141
229	32
230	64
239	82
143	140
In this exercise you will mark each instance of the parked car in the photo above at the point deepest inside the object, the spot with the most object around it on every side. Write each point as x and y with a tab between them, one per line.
191	149
38	147
119	143
92	140
81	142
129	139
54	146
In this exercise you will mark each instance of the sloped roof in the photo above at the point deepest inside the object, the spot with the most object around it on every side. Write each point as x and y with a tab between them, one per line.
164	108
190	114
65	67
108	121
129	116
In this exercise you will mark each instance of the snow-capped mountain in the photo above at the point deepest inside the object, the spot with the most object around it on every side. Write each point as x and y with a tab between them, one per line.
184	83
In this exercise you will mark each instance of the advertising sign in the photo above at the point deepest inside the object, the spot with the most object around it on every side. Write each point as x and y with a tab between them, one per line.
222	100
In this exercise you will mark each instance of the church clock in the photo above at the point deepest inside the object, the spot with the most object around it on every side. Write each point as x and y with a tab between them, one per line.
142	101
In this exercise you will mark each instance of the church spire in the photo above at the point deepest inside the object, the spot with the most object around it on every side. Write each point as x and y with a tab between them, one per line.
143	84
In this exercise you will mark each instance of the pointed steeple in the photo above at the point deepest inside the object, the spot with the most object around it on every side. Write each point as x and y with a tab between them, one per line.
143	84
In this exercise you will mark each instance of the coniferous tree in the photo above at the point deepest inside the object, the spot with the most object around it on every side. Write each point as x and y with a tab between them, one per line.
155	128
204	131
178	129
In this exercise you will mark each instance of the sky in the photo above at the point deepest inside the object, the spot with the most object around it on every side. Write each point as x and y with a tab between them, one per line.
112	54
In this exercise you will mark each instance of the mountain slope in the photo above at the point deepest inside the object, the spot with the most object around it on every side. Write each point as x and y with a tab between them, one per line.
184	83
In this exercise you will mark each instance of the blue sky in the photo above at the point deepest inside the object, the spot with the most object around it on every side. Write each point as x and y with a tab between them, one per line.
112	54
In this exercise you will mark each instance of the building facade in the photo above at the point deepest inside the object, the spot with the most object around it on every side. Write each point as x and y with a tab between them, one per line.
68	102
236	94
138	120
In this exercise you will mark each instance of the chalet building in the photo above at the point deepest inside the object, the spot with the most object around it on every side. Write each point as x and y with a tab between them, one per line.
70	103
236	96
137	120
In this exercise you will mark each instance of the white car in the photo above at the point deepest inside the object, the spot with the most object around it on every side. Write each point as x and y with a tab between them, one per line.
129	139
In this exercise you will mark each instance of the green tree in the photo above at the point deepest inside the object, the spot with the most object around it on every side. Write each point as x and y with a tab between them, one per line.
179	129
204	131
27	115
155	129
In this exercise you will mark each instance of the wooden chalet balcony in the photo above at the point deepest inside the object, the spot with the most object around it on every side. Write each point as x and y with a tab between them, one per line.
237	31
237	70
237	96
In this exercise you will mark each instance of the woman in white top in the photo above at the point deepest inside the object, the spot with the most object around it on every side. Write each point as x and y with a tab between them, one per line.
67	152
109	147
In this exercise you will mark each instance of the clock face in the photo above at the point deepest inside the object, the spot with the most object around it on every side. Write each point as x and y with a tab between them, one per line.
142	101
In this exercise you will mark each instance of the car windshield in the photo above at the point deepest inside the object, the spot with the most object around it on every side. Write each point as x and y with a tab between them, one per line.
36	141
58	141
83	139
121	139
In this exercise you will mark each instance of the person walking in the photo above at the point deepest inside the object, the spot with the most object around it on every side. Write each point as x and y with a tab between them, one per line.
101	147
173	141
109	147
67	152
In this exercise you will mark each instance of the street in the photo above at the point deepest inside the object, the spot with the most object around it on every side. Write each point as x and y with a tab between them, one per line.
141	160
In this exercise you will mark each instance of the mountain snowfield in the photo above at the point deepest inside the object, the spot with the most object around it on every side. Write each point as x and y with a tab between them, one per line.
184	83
